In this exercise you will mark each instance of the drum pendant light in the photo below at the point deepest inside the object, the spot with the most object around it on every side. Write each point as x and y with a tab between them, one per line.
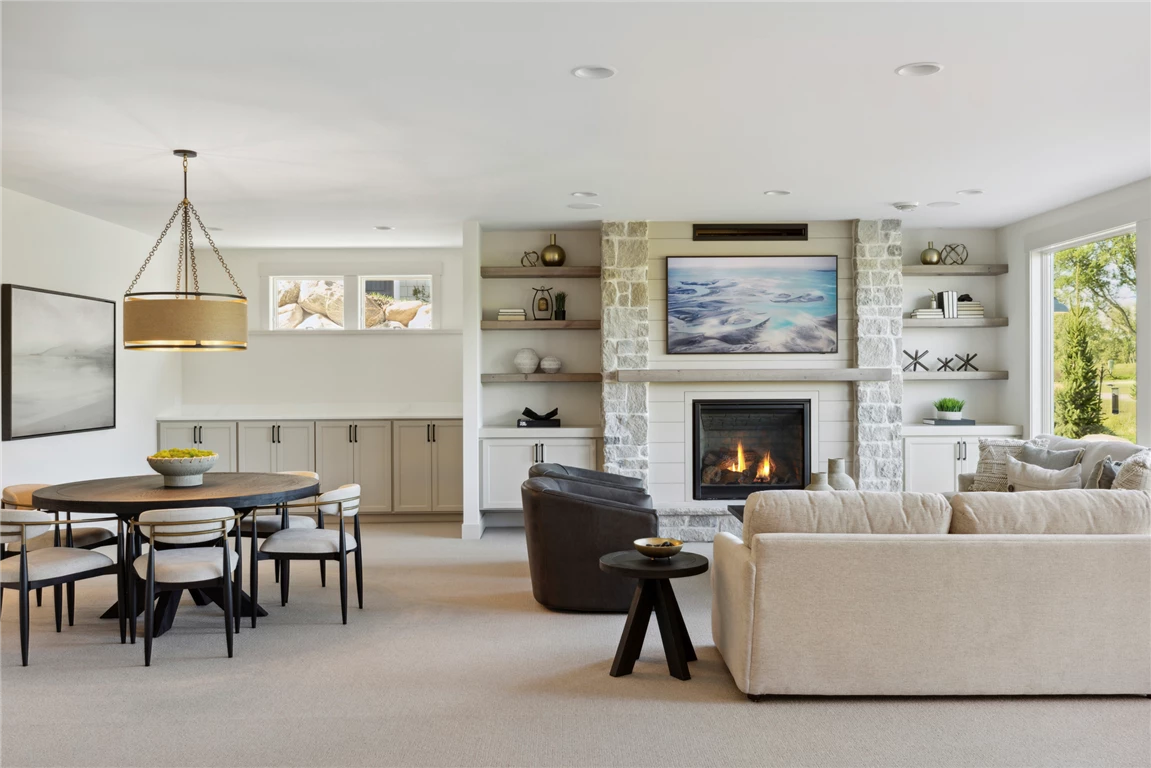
185	319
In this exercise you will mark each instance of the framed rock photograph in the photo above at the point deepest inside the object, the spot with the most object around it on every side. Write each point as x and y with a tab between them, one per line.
58	362
752	305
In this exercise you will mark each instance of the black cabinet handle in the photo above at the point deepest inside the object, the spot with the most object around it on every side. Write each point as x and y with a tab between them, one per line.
543	456
433	433
349	433
276	433
355	433
427	433
201	431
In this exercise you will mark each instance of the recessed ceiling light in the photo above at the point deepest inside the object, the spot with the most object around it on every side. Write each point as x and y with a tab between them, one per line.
584	206
943	204
385	229
584	194
593	72
919	69
777	192
970	192
906	206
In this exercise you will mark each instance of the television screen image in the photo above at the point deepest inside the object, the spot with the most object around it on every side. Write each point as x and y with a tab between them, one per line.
752	305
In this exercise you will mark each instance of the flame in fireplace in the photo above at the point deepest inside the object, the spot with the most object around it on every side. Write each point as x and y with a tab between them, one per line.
738	465
765	468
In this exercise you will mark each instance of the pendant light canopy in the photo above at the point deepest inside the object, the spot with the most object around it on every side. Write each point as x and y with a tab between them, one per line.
185	319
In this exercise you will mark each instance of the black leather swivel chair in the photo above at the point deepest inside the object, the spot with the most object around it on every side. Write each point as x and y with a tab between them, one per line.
569	526
586	476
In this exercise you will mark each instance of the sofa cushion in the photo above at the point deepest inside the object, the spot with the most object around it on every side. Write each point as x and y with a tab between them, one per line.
1135	474
1049	459
844	512
1094	451
1103	474
1064	512
1022	477
991	472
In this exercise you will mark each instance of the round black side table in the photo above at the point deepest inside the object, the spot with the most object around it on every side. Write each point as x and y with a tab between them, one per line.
654	592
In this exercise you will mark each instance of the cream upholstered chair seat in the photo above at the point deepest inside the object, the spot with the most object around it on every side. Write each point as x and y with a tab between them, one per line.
269	524
52	563
307	542
110	551
186	565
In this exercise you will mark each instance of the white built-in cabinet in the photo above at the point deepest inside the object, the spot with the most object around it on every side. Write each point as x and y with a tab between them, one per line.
357	452
217	436
505	463
277	446
934	457
428	459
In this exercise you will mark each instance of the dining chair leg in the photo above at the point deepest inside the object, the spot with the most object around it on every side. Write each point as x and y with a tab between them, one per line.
277	571
285	574
254	579
39	597
359	575
237	584
132	587
149	616
323	573
24	623
121	603
71	590
58	602
344	586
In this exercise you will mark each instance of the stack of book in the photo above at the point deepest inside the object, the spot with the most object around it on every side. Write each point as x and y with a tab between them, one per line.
927	314
512	314
970	309
949	303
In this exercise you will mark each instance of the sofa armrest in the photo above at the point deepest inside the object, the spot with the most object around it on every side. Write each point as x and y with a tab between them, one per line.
965	482
733	590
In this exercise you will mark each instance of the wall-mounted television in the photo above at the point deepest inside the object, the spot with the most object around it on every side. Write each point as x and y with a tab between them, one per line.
752	305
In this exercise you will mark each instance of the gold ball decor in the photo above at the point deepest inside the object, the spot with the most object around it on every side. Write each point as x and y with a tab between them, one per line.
954	254
929	255
552	255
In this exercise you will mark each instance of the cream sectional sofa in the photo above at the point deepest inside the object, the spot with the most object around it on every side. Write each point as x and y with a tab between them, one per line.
854	593
1094	451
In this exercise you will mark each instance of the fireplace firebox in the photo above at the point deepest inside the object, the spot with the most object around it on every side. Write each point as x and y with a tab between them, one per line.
744	446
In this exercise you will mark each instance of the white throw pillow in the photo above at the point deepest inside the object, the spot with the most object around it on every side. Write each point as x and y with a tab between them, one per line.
1135	474
991	473
1028	477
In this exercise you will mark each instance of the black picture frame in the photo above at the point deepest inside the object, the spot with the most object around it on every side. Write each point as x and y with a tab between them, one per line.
766	261
9	330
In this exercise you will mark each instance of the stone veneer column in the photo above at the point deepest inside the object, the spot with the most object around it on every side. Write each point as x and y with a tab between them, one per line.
624	344
878	265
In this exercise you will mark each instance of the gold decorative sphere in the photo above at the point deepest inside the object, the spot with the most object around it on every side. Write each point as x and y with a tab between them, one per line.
552	255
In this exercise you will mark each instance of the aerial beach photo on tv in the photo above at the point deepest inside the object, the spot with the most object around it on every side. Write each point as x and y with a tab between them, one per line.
752	305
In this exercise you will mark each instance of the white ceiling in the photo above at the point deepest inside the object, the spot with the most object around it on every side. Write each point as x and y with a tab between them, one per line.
316	122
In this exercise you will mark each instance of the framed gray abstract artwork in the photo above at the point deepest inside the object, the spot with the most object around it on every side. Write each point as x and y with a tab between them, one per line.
59	362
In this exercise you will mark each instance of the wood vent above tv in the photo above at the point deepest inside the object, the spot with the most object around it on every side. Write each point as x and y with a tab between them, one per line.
749	232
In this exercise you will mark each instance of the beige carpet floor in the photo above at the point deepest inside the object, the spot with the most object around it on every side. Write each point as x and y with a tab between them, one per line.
453	664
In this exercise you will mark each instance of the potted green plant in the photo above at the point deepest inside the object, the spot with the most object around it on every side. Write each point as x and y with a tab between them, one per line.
560	311
949	408
183	467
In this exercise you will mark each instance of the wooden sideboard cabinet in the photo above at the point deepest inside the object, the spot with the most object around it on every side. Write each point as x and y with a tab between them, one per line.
218	436
428	466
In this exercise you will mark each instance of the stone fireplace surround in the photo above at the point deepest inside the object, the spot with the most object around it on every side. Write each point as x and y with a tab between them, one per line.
877	411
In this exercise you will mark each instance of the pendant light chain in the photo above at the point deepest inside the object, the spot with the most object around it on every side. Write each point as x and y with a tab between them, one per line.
224	264
151	253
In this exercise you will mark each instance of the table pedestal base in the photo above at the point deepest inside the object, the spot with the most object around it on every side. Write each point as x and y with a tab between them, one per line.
167	603
657	595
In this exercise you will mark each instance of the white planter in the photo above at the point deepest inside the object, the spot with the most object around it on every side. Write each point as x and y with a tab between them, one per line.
949	415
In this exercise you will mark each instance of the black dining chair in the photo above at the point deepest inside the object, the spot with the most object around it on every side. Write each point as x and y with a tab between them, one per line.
51	566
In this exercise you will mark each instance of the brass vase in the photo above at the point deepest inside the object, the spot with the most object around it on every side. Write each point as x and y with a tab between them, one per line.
552	255
930	254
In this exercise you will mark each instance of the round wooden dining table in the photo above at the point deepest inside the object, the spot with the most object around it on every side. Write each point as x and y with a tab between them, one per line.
127	497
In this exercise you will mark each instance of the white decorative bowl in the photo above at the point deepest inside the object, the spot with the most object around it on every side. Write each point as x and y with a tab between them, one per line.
551	364
183	473
527	360
949	415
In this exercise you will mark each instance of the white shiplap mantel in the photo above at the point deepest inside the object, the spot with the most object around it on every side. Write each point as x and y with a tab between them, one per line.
742	375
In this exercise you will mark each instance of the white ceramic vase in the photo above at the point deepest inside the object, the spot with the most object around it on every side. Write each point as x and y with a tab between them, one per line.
837	476
819	482
527	360
550	364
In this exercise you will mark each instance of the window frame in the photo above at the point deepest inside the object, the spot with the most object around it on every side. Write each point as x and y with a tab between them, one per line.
361	293
272	299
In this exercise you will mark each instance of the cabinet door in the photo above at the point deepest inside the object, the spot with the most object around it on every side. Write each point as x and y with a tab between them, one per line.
334	454
447	466
219	436
412	460
504	469
931	464
295	446
257	451
177	434
569	451
373	465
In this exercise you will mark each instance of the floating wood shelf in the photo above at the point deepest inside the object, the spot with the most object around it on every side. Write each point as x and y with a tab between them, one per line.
959	322
539	325
502	378
955	270
955	376
539	271
774	374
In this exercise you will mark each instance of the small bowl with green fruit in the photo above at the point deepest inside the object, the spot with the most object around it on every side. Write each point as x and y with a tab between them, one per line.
183	467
